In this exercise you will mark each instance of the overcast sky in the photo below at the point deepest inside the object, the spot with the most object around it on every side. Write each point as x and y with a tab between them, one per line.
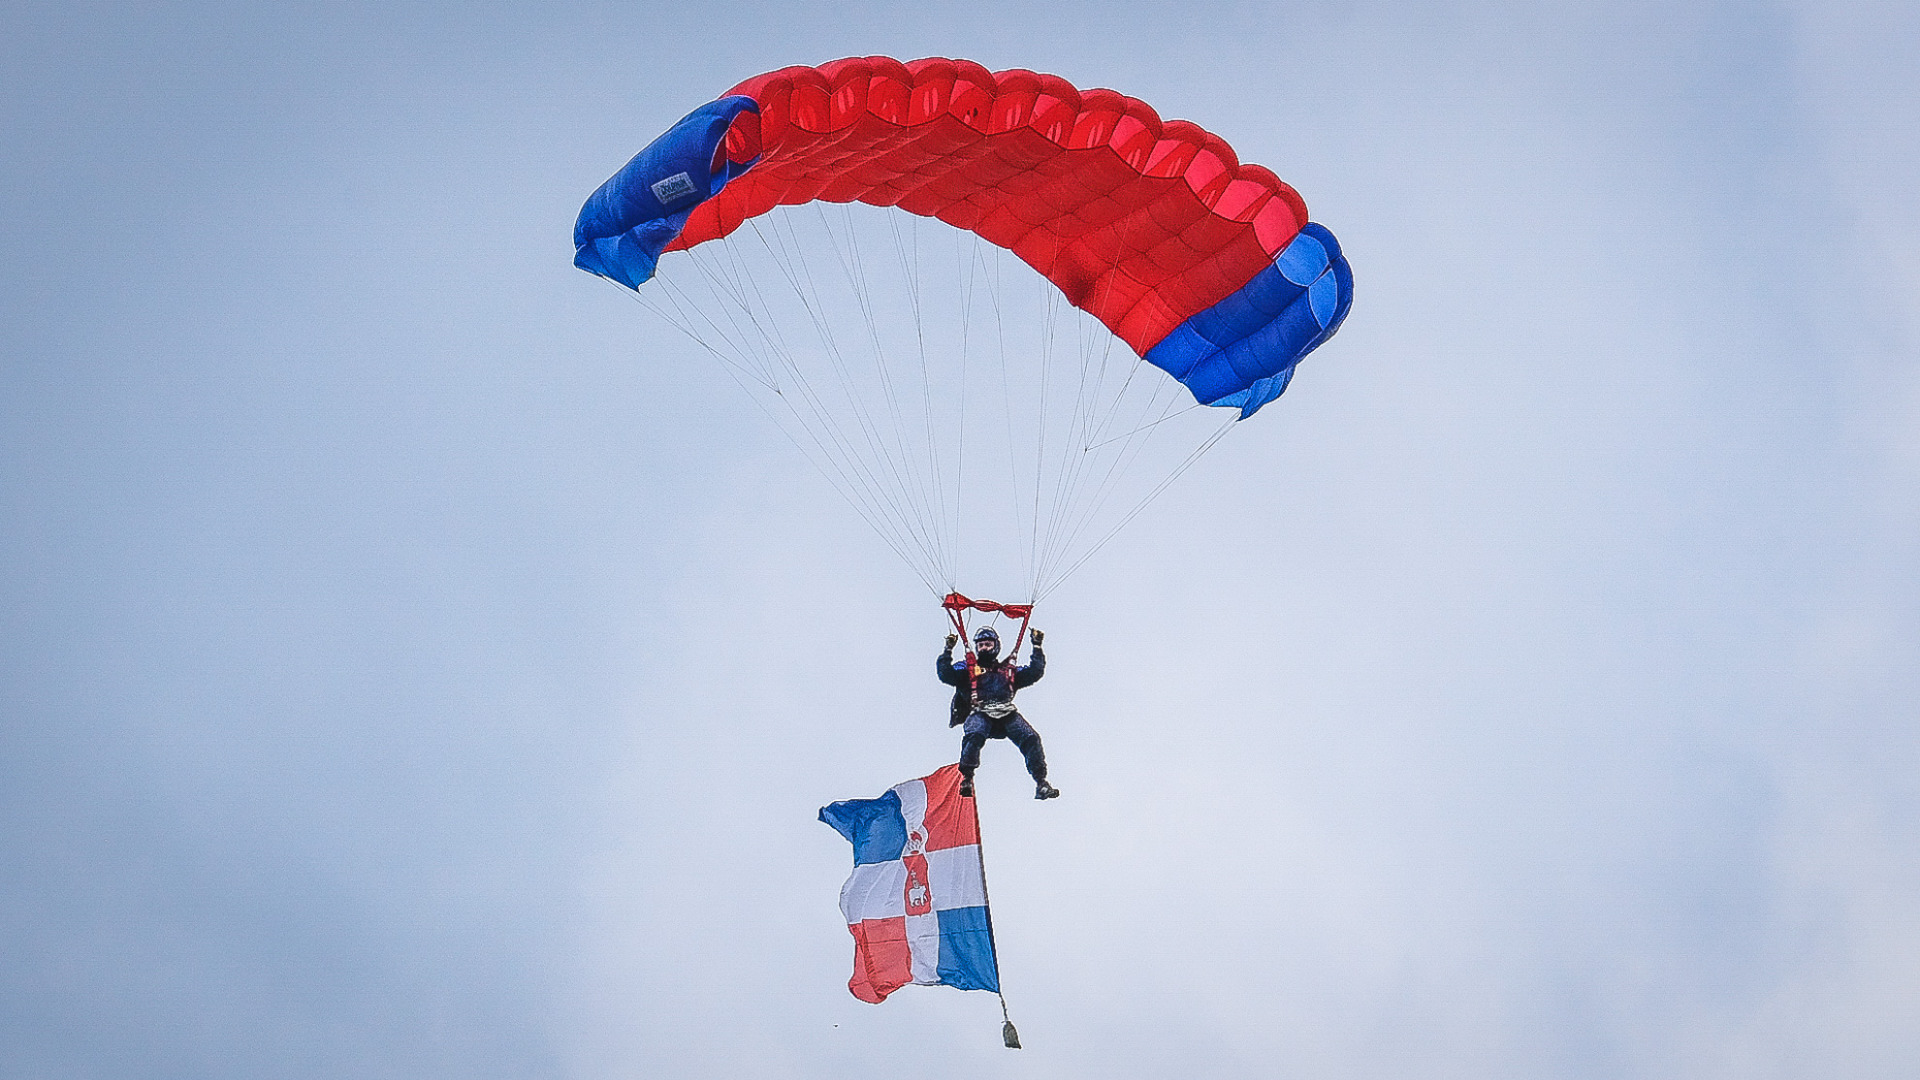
413	662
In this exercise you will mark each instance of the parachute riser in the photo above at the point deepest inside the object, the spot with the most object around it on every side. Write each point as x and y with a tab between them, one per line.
954	603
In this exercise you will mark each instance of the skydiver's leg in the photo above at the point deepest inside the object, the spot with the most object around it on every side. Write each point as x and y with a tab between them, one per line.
1028	740
972	737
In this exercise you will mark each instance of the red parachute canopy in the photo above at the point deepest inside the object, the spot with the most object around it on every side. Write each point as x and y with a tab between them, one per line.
1141	222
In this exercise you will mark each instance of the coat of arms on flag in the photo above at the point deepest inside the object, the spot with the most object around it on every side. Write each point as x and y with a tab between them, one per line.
916	903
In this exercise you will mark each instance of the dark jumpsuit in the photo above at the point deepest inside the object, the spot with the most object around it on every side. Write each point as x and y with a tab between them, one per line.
995	683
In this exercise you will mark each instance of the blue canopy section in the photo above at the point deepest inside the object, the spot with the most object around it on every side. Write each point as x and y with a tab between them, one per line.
641	208
1241	352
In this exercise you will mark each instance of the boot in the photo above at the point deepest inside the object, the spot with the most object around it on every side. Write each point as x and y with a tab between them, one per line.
1044	790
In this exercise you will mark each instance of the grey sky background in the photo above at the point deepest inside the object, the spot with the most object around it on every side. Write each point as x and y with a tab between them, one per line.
412	663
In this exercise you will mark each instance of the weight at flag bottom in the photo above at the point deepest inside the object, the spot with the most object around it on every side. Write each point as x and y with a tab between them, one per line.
916	902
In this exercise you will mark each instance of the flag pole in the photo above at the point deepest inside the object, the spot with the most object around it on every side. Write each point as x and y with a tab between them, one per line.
1008	1035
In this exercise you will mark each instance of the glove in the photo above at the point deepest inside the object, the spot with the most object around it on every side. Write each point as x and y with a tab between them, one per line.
1039	636
952	639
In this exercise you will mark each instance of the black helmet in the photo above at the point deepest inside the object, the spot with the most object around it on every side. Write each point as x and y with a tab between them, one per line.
986	644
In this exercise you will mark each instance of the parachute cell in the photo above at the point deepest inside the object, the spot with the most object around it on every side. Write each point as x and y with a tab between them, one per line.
1205	267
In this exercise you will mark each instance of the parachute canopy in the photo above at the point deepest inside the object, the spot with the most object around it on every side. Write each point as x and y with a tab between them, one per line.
1206	267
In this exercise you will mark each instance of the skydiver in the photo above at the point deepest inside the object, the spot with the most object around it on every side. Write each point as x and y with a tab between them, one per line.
983	701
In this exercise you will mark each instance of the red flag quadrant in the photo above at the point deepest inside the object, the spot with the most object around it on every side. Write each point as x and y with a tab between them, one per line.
916	902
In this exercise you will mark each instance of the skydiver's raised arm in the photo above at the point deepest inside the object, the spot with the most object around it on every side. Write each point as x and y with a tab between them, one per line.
1036	664
950	673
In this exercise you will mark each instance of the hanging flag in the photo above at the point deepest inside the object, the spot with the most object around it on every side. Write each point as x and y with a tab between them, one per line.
917	901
